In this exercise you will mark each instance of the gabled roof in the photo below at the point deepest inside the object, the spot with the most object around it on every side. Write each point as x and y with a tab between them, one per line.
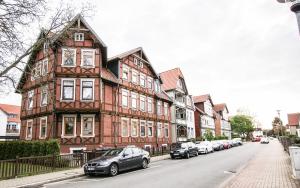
220	107
53	37
202	98
163	95
170	79
293	119
133	51
11	109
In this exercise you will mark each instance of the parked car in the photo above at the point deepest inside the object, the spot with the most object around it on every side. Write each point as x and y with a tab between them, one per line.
256	139
116	160
235	143
217	146
204	147
183	150
226	144
238	140
264	140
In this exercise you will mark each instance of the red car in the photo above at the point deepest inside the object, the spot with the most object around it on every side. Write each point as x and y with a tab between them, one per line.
256	139
226	144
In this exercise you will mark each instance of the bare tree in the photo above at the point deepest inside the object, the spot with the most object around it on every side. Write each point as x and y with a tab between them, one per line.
15	16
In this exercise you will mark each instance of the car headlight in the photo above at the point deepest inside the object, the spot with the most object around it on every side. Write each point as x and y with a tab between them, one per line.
103	163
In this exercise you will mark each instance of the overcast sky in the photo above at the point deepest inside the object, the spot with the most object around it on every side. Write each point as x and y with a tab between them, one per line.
243	53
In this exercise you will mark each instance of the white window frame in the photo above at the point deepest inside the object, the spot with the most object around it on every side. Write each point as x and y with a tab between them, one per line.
168	127
125	68
78	37
145	125
87	50
145	78
151	125
135	72
135	61
159	105
63	126
30	120
45	62
125	119
40	135
30	94
63	57
127	96
159	127
166	109
150	79
131	127
44	88
145	102
81	91
74	89
134	96
149	107
93	127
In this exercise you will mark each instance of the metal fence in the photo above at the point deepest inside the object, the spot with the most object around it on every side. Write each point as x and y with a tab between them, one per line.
25	166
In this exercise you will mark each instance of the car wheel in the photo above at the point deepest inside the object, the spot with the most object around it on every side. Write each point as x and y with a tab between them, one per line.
114	169
145	163
187	155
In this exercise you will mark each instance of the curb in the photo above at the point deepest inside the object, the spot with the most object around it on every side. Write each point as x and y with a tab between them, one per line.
39	184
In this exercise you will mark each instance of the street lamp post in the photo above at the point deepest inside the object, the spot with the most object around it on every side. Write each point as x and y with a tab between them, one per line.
295	8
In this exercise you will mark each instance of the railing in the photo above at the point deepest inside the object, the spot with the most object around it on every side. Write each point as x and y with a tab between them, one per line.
25	166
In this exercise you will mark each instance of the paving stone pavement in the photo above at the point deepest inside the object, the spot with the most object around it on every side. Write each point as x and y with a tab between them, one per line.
38	180
270	168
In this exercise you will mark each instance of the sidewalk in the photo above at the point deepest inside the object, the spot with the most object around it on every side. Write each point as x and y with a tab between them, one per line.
270	168
41	179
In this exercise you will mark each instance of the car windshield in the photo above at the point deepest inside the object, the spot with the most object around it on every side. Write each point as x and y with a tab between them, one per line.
176	146
113	152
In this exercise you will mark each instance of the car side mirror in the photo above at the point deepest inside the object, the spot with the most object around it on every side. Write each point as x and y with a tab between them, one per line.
125	154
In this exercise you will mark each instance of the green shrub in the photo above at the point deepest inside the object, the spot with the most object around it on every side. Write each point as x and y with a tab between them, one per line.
12	149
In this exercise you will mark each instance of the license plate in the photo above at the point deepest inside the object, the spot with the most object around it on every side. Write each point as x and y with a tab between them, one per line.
176	154
91	168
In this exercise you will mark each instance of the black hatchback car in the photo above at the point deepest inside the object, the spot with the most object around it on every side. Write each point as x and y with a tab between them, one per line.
183	150
116	160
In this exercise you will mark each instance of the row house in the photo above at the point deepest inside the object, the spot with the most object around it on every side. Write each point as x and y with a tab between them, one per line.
73	93
182	110
204	115
223	127
294	123
9	122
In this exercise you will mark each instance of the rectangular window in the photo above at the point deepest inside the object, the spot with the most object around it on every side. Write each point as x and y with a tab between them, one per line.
38	69
135	77
134	127
69	126
87	89
157	86
46	47
79	36
125	127
166	109
158	107
142	103
136	61
133	100
45	67
68	89
69	57
150	128
125	94
44	95
166	130
29	129
88	58
150	83
149	105
142	128
43	127
125	72
142	80
159	130
87	125
30	99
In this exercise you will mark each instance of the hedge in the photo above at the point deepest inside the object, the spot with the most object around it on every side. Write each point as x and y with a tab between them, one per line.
12	149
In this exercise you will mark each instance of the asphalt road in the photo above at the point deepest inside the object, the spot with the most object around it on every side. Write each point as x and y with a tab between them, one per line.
207	171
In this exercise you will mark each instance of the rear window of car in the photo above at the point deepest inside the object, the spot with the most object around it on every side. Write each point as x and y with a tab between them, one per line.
113	152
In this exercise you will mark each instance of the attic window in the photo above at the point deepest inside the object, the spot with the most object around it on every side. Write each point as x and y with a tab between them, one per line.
139	63
79	37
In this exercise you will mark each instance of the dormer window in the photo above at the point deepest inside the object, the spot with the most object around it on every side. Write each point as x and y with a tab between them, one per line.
79	37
